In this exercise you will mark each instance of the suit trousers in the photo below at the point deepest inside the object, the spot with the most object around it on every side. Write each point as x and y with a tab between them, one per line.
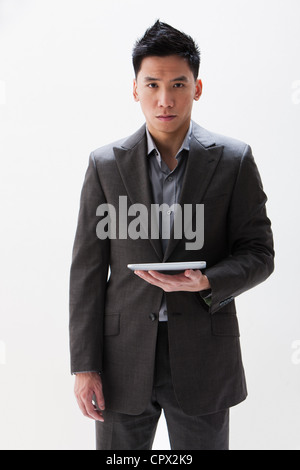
127	432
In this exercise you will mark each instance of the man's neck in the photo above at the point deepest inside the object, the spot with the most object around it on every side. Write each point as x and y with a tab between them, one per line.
168	144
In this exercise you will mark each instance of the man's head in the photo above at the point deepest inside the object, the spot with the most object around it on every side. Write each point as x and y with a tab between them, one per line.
166	64
163	40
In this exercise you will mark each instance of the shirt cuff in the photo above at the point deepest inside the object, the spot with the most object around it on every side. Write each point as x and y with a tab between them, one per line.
86	372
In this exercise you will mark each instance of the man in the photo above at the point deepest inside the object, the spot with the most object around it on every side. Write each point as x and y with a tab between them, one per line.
146	341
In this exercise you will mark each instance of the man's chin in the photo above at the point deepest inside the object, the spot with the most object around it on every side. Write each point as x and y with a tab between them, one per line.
168	127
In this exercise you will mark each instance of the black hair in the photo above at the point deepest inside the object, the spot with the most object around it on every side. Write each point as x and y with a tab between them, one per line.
163	40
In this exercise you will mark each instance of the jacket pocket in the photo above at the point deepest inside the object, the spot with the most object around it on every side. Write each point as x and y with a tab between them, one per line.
225	324
112	324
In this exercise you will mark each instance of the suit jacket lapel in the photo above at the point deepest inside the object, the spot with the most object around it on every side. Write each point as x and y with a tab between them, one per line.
202	161
132	162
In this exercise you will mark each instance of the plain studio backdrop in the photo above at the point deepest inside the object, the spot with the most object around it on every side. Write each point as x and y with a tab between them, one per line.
66	89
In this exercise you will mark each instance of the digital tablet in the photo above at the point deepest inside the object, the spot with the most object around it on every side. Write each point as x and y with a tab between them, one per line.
180	266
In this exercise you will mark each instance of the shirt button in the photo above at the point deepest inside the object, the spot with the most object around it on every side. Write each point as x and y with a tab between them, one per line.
170	179
152	316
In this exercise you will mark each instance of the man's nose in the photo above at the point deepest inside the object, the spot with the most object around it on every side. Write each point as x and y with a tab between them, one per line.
165	99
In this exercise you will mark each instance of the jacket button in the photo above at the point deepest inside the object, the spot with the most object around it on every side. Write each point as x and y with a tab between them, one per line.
153	316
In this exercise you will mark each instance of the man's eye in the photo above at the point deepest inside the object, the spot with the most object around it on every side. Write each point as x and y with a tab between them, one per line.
178	85
152	85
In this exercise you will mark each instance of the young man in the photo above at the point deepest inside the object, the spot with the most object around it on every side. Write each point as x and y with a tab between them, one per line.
146	341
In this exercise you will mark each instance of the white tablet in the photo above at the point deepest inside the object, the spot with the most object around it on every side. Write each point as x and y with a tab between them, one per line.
180	266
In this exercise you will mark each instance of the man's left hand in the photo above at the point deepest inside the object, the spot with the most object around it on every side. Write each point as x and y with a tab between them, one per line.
189	281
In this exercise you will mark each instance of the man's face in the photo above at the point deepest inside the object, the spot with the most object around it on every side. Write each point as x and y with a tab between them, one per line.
166	89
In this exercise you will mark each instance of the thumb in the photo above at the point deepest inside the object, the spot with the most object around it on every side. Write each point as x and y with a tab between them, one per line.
192	274
189	273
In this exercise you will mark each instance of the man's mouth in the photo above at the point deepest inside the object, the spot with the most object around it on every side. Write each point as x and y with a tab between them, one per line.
166	118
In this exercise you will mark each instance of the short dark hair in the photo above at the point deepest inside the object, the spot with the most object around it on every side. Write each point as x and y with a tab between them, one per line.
163	40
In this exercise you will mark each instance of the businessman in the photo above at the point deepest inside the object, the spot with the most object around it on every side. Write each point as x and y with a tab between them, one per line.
146	341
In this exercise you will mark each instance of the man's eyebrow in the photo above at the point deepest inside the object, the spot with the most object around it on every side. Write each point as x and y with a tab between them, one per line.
151	79
182	78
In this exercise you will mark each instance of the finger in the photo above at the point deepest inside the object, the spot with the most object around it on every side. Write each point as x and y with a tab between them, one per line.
90	408
92	412
168	283
192	274
160	276
151	280
82	407
163	281
87	407
172	283
99	398
89	411
167	278
152	274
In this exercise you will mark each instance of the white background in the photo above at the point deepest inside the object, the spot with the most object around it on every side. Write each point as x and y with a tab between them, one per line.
66	89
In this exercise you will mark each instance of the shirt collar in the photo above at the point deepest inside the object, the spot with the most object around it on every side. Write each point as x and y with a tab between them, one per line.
185	144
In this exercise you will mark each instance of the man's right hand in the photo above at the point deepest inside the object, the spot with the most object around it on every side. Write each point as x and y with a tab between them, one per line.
88	385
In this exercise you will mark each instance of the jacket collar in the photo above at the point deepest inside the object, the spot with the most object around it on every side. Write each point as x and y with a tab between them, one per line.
204	137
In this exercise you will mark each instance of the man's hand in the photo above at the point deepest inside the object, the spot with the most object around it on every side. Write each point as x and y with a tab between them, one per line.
189	281
87	386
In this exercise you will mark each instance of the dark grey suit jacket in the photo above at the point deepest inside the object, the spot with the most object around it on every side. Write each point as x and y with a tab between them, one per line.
113	322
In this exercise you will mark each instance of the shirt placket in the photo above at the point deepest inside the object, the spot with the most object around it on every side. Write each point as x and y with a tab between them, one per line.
169	199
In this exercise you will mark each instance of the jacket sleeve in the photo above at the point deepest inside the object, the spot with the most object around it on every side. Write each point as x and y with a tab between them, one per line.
251	259
88	279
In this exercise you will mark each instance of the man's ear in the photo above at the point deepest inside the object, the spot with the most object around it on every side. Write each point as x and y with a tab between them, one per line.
135	93
198	91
